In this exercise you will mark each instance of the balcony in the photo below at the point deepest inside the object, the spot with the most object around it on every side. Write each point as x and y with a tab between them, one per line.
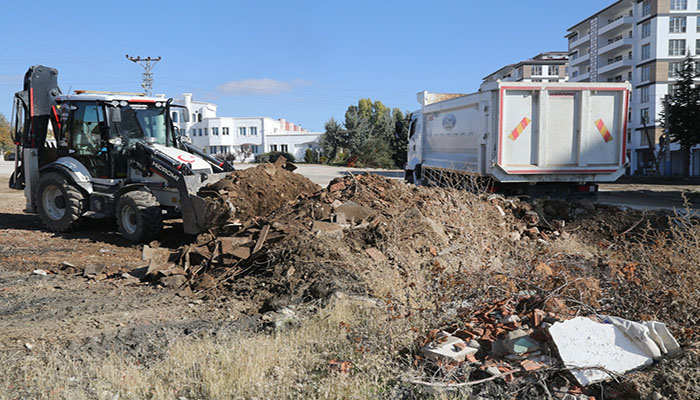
580	77
616	45
579	60
618	24
616	66
578	42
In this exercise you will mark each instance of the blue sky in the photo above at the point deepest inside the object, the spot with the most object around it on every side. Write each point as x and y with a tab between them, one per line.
301	60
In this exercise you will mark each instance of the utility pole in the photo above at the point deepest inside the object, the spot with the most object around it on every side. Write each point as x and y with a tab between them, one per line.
147	64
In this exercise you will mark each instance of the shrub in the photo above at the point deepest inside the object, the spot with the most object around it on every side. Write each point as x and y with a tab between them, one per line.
272	156
309	156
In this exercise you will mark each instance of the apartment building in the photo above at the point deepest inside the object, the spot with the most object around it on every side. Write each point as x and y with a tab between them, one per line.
643	42
544	67
243	137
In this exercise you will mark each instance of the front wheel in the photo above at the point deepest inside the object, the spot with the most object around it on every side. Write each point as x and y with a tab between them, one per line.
61	203
139	216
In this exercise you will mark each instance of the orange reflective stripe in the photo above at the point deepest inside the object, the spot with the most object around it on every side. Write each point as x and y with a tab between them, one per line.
603	130
519	129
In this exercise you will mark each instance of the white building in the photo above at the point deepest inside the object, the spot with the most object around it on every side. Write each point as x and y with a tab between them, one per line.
644	42
544	67
243	137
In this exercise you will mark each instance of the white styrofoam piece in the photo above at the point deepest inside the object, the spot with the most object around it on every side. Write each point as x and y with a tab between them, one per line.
447	350
584	343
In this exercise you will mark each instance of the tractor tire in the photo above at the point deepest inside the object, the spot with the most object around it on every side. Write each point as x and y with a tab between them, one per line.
139	216
60	203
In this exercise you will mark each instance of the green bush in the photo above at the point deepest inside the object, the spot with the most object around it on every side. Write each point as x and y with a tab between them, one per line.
309	156
323	159
272	156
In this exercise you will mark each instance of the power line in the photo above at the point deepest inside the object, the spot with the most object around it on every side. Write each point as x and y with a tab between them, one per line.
147	64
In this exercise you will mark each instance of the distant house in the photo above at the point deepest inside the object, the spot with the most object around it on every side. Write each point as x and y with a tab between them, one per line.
244	137
544	67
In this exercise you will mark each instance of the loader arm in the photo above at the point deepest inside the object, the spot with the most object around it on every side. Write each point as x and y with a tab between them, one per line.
178	175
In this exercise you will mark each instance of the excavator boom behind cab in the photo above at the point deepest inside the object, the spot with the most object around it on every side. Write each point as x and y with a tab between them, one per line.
104	154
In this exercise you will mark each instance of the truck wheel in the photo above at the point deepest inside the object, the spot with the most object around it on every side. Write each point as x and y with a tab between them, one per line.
139	216
61	203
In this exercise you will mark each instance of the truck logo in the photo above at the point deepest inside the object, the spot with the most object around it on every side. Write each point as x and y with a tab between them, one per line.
186	158
449	121
166	171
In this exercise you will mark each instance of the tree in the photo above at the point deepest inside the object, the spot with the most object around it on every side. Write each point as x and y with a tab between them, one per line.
680	115
358	129
6	142
399	143
333	139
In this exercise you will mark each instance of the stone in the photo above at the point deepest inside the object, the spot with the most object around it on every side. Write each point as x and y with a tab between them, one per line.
40	272
519	342
173	281
68	268
282	319
330	229
511	319
493	371
354	212
587	205
93	270
514	236
375	254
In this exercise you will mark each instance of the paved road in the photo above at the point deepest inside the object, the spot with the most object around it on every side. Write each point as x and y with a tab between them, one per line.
642	197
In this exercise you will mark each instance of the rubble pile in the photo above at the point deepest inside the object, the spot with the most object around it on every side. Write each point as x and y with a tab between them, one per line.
517	338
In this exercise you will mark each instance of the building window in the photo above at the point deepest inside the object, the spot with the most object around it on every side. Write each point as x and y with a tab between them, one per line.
646	73
646	51
672	89
284	148
644	94
646	8
574	74
194	117
273	147
200	132
194	132
644	116
644	138
199	117
254	149
676	47
554	70
697	23
646	30
674	68
215	131
253	131
697	45
676	25
212	149
536	70
679	4
241	131
224	130
206	133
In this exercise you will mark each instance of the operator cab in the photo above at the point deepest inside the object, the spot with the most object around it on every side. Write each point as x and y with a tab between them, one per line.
96	128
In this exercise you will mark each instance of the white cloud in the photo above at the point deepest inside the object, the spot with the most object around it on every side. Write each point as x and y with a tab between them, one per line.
260	86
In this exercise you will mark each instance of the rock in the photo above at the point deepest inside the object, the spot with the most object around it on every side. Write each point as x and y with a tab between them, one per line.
375	254
564	235
40	272
330	229
29	346
354	212
514	236
493	371
93	270
282	319
657	396
320	290
68	268
511	319
173	281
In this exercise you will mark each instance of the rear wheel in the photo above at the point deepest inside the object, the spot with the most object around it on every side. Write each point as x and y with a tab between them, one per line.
61	203
139	216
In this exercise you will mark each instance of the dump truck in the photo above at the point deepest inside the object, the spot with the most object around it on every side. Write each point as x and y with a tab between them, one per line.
523	137
97	154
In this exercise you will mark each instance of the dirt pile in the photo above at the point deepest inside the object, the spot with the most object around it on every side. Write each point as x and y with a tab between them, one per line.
253	192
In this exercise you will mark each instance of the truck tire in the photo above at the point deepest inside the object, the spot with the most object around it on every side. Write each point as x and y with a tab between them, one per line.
60	202
139	216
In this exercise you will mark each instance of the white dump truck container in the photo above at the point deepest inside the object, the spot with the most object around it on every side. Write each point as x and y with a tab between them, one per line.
523	133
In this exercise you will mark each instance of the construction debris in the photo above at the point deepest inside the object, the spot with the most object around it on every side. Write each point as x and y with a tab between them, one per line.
516	336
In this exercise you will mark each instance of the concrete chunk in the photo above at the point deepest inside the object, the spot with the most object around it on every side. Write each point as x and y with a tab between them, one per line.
587	344
448	347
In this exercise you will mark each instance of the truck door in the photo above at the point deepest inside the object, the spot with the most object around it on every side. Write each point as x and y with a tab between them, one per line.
85	134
